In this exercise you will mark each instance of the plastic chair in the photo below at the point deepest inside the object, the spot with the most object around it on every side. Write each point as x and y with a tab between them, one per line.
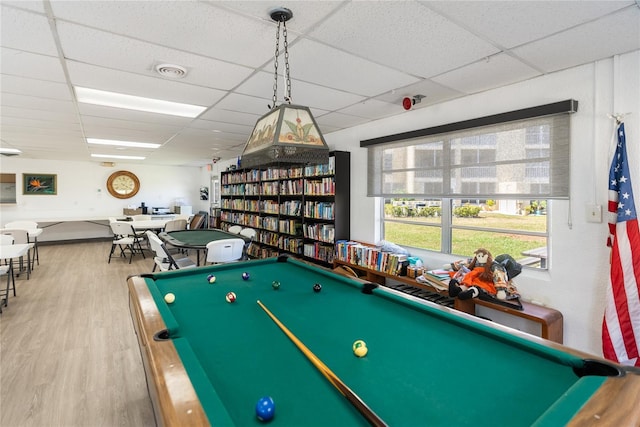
175	225
251	234
141	217
20	236
225	250
125	238
163	258
197	222
235	229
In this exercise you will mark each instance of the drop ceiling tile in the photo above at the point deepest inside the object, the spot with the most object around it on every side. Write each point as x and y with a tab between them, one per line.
498	70
31	65
90	76
26	31
320	64
32	87
35	6
64	118
36	103
417	40
245	104
135	56
513	23
372	108
432	91
302	93
241	118
306	14
26	125
185	25
216	127
135	116
338	121
617	33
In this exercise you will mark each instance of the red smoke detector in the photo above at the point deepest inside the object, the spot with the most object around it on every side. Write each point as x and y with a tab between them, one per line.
407	102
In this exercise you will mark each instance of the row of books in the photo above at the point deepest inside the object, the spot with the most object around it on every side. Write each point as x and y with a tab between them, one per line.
319	251
322	232
326	169
257	175
321	210
322	187
370	257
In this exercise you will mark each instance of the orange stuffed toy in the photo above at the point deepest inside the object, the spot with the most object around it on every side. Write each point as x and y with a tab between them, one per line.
483	274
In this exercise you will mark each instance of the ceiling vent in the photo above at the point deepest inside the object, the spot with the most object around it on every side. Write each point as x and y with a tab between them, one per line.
171	71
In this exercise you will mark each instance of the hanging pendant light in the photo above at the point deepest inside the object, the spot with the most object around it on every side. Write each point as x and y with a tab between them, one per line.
288	133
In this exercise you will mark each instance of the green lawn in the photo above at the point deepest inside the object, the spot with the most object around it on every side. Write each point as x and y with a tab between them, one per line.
465	242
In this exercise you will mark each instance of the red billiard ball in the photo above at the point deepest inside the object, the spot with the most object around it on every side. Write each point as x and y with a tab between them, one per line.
231	297
317	287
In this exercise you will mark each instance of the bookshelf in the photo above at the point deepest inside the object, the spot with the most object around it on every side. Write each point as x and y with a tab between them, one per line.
295	209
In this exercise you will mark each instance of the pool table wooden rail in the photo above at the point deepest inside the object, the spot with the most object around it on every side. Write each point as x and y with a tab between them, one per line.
175	401
178	404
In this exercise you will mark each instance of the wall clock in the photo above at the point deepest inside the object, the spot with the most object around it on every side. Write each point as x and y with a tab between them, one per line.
123	184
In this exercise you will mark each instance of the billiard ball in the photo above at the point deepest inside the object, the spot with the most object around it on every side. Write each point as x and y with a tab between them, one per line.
361	351
169	298
265	408
317	287
245	276
211	278
275	285
359	343
231	297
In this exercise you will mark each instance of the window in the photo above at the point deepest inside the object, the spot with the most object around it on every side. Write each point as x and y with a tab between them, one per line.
481	183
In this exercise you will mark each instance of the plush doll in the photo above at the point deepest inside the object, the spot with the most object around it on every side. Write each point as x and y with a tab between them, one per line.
482	274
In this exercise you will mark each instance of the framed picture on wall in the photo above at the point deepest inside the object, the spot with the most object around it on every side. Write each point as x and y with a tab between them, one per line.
204	193
39	183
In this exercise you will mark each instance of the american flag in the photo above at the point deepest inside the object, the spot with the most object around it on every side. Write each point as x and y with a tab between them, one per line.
621	325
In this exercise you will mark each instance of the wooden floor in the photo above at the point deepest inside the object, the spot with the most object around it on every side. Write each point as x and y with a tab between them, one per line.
68	351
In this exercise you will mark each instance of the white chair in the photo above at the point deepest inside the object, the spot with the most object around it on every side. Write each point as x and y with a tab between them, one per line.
225	250
20	236
6	270
163	258
6	239
235	229
124	238
175	225
34	232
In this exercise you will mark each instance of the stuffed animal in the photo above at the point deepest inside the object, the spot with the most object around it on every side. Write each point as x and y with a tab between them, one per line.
483	274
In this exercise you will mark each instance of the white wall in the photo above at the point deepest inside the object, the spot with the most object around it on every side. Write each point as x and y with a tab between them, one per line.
82	193
576	280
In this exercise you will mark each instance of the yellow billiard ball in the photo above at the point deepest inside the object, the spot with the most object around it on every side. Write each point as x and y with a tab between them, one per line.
359	343
361	351
169	298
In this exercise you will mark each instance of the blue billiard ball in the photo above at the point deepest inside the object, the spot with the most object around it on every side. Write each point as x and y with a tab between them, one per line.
265	408
209	277
245	276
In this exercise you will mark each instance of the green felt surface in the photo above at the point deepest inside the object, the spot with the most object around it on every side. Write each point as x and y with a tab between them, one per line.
424	367
197	238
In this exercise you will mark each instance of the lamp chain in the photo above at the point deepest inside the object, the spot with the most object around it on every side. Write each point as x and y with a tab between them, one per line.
287	74
275	67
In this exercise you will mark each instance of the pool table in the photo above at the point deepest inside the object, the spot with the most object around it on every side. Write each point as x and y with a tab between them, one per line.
197	239
208	361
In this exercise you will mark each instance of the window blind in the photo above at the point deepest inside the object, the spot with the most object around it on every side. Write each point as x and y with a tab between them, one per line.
526	158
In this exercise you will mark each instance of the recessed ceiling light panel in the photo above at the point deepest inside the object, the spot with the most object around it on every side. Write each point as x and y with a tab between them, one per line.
118	143
139	103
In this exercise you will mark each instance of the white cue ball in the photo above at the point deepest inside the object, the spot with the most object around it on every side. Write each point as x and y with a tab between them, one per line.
169	298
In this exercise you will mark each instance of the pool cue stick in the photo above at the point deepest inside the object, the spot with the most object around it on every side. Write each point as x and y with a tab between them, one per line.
353	398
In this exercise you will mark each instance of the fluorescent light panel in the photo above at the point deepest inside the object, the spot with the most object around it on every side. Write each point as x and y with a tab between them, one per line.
9	150
131	102
122	143
113	156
